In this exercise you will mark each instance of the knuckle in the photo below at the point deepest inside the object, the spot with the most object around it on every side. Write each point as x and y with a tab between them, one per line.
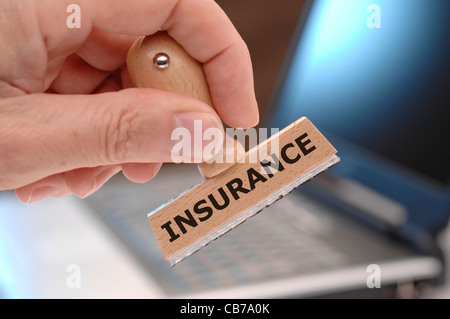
121	140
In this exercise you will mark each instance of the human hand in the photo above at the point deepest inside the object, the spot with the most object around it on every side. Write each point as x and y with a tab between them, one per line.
69	120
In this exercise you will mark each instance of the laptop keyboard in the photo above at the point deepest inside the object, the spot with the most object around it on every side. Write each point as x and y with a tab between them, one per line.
284	240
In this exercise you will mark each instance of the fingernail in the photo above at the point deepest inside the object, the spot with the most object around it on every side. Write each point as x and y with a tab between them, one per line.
156	168
41	193
196	137
101	178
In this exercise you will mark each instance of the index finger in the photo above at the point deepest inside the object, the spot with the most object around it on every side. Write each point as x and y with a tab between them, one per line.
204	31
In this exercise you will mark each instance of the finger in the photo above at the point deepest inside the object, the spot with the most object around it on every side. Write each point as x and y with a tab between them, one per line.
85	181
45	134
78	77
200	26
82	182
140	172
51	186
111	84
225	57
105	51
126	79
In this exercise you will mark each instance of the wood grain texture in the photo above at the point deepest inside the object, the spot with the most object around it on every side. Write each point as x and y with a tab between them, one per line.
193	216
183	76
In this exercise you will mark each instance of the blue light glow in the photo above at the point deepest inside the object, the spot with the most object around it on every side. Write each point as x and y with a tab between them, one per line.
342	62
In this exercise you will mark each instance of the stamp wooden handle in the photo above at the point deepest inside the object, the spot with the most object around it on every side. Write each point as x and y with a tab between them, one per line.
158	61
270	171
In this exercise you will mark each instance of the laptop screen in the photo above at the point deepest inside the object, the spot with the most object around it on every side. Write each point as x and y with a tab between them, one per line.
374	77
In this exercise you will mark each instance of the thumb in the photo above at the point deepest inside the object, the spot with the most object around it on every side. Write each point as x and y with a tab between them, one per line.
45	134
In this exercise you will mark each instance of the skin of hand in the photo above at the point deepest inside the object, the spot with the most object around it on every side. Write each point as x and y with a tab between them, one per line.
69	119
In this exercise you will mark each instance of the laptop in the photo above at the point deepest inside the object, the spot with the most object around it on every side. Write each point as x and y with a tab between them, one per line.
373	77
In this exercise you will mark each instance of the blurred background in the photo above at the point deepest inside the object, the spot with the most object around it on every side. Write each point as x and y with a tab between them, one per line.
362	82
267	27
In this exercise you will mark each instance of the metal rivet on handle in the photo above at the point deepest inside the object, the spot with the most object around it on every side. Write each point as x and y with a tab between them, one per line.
161	61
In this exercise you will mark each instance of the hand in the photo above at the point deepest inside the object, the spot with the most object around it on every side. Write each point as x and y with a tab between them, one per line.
69	120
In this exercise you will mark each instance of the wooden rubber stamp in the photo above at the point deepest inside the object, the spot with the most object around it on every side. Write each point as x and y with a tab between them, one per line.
232	192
